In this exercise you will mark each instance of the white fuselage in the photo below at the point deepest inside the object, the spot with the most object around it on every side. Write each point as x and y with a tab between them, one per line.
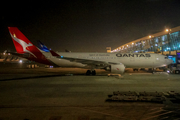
130	60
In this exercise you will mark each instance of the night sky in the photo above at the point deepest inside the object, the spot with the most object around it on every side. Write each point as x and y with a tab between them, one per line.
86	25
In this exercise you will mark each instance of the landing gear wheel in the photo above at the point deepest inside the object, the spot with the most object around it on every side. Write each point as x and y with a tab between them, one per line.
93	72
88	72
135	69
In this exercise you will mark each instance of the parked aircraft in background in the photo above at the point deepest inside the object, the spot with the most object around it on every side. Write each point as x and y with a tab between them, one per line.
113	62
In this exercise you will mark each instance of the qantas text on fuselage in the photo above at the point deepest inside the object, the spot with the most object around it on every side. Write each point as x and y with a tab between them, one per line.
133	55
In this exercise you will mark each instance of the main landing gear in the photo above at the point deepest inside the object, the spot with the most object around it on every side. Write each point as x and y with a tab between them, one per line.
135	69
91	72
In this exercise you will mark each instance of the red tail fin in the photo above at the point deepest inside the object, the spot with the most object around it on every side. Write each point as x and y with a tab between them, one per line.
21	43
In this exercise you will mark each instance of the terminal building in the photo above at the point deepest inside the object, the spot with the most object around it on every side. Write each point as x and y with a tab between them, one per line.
166	42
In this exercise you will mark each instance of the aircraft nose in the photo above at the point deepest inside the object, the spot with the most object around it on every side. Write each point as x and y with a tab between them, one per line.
170	61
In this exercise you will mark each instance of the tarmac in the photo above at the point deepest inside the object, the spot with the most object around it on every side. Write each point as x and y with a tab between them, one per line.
68	94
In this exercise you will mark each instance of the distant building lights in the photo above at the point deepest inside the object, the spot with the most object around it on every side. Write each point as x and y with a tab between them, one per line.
168	48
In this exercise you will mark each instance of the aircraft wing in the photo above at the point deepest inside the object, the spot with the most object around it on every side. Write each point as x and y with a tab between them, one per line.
97	63
89	62
84	61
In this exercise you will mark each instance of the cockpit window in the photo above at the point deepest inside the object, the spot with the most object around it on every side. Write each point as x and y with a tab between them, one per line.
166	57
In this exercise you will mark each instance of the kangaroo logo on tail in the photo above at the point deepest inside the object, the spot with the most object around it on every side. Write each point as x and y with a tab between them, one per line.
25	43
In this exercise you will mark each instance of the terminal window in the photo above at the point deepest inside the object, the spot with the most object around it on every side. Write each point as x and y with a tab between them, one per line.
172	58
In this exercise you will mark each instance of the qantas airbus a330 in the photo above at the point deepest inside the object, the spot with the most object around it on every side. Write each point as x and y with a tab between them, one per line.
113	62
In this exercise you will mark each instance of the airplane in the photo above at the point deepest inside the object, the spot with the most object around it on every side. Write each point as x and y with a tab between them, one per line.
113	62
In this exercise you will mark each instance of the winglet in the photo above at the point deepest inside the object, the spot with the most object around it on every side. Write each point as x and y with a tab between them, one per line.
67	50
54	53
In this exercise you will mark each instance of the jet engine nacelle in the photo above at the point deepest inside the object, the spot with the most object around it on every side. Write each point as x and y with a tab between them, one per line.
116	68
